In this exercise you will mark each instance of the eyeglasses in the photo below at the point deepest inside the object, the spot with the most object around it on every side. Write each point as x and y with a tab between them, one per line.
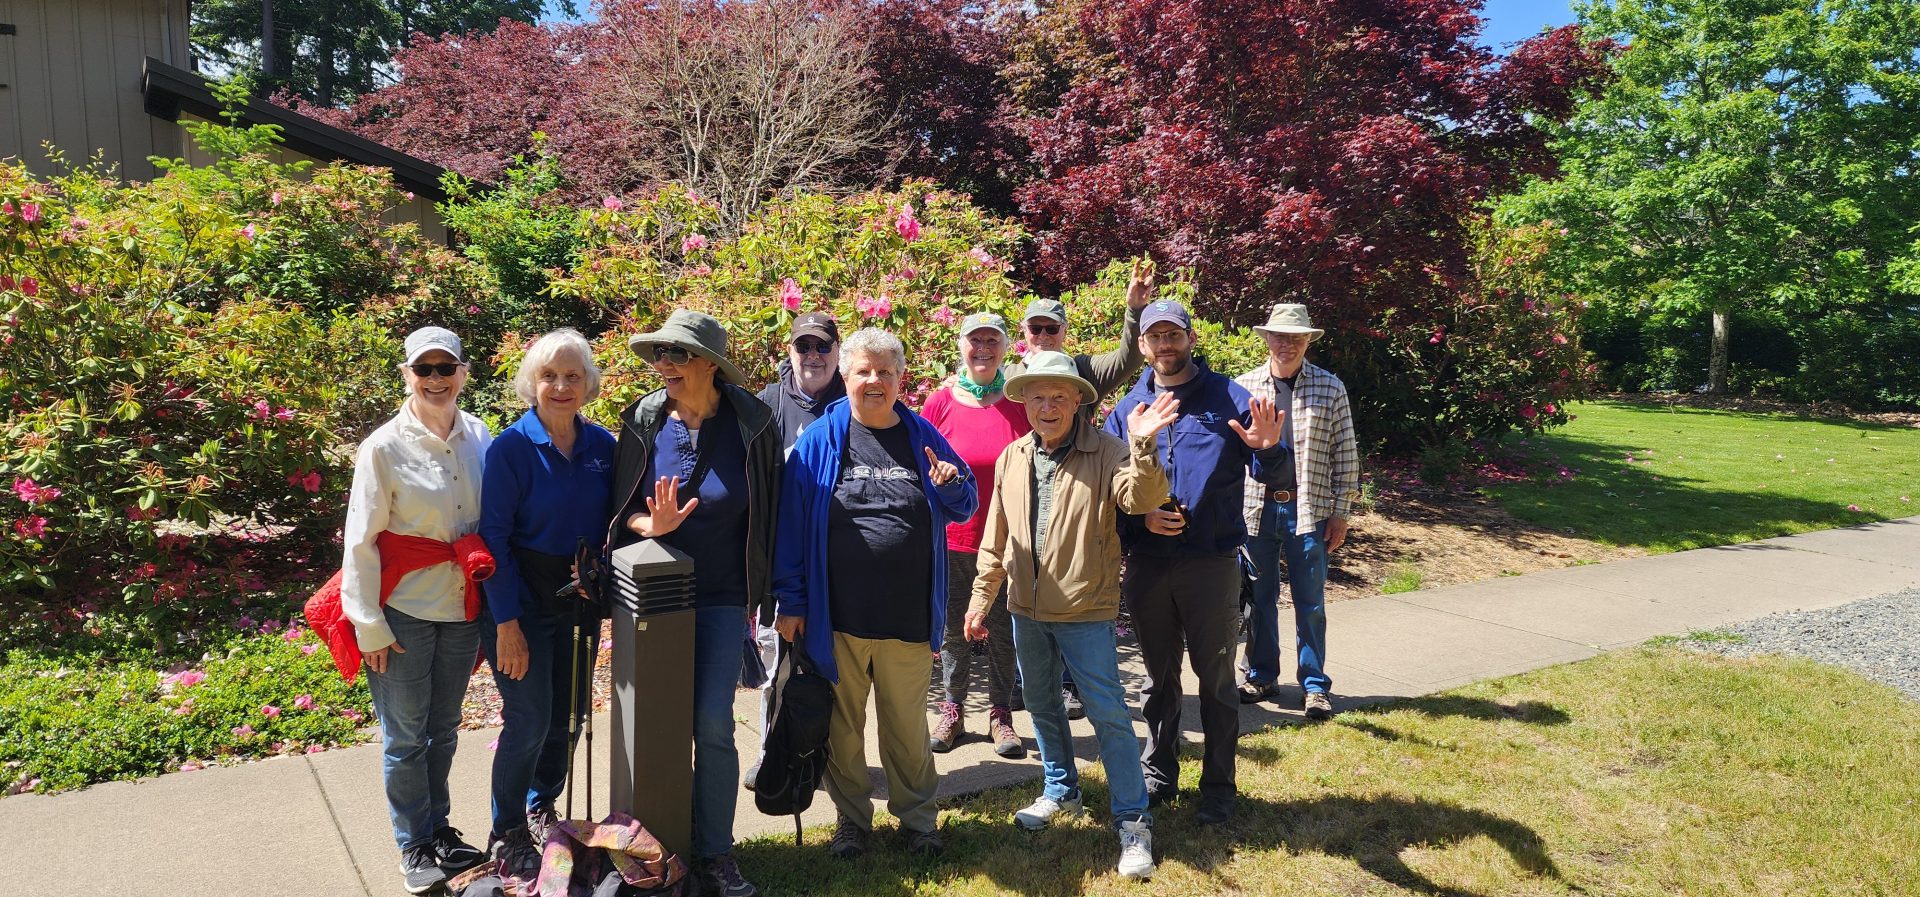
807	344
1045	329
444	369
672	354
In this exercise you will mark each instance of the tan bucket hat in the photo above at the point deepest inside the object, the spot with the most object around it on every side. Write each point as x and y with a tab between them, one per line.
1291	317
1050	366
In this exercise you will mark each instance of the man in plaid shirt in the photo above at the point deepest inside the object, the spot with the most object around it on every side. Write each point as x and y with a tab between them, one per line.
1303	520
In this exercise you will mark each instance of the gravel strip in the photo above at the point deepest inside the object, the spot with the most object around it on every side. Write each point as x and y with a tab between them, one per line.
1879	638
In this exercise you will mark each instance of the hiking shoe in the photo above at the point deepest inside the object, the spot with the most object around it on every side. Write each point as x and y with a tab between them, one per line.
1161	797
1070	696
752	776
948	731
455	856
1214	811
1317	705
1252	692
926	843
1040	814
421	868
722	877
1006	742
516	853
540	821
849	839
1136	850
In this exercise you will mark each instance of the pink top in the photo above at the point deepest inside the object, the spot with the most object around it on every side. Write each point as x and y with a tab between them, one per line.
978	435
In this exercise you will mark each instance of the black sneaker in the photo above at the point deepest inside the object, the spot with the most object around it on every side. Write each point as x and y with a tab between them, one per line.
1214	811
926	843
421	868
1161	797
540	821
1070	696
455	856
722	877
516	853
849	840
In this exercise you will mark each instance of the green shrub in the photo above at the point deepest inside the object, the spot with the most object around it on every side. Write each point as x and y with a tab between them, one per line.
65	725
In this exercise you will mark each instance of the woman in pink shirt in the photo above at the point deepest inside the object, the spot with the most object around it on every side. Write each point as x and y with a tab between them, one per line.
976	418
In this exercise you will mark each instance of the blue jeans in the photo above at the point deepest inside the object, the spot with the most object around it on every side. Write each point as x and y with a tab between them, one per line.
719	635
1087	650
1306	557
530	763
418	700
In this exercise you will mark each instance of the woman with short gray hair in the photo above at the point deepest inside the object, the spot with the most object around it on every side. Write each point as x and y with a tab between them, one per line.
860	577
549	487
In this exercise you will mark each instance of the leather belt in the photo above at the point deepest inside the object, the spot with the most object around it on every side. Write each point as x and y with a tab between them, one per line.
1280	495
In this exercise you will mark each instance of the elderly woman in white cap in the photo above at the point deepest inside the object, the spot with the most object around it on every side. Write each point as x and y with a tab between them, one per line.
549	486
977	420
699	469
418	475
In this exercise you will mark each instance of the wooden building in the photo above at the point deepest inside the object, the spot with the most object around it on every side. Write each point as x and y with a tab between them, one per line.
113	78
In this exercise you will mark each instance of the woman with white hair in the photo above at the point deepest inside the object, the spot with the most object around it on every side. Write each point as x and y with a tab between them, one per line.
549	485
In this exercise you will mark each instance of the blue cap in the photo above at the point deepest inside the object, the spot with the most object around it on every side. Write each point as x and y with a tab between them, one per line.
1165	310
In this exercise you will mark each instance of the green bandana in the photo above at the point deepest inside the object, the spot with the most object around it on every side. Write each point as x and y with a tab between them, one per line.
981	392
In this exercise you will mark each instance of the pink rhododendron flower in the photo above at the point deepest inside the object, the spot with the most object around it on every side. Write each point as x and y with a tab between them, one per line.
303	702
1020	347
944	316
6	208
693	243
29	212
247	232
907	225
29	287
702	270
33	493
185	679
473	309
353	716
269	711
1549	408
1528	412
243	731
315	748
307	650
611	203
790	295
31	527
291	635
311	482
275	198
1559	339
284	414
875	307
262	410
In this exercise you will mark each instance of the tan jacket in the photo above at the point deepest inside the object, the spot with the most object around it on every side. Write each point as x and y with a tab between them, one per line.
1080	579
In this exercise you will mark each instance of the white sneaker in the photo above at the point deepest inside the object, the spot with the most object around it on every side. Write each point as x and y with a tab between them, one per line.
1040	813
1136	851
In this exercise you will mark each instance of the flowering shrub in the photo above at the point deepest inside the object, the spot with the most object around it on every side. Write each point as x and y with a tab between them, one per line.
182	366
914	261
67	725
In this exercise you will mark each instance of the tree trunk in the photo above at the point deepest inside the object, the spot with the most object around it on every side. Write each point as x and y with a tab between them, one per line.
1717	356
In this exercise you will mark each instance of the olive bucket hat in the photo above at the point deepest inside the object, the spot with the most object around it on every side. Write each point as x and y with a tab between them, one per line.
1050	366
1290	318
698	333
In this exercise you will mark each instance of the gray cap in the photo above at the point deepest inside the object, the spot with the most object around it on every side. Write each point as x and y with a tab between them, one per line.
1165	310
427	339
983	320
1053	309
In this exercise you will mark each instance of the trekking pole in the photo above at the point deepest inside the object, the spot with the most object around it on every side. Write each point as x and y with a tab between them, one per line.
586	716
573	694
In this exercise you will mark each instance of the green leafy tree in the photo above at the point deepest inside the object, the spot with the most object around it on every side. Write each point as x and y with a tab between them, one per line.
1752	155
330	51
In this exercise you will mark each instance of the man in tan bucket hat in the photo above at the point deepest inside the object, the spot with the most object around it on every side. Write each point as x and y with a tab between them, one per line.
1299	521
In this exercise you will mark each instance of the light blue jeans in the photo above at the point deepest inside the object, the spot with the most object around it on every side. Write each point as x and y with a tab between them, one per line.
1306	557
418	699
1087	650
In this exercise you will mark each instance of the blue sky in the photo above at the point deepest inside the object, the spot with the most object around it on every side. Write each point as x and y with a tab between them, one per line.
1508	21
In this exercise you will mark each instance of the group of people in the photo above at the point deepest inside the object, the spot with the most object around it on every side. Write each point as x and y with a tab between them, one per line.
825	514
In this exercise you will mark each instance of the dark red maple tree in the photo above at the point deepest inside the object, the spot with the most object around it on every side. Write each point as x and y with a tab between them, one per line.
1325	151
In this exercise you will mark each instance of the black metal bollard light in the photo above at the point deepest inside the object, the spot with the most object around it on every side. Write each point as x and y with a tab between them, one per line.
652	598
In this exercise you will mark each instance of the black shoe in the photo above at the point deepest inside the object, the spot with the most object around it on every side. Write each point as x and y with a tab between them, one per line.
421	868
849	839
1158	799
1070	696
752	776
1214	811
540	821
516	853
455	856
1252	692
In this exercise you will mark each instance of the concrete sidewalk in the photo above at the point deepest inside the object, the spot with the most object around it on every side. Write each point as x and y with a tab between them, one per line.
318	824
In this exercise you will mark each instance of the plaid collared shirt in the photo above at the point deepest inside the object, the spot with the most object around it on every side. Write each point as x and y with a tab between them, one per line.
1326	460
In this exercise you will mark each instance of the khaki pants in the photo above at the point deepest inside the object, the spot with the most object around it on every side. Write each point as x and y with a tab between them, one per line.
896	673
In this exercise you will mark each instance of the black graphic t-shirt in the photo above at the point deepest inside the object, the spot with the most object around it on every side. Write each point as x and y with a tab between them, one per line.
879	539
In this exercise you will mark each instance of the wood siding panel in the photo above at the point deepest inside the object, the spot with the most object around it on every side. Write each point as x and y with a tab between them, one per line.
9	85
75	79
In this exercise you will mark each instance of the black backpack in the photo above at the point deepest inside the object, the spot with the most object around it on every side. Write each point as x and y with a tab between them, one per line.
795	758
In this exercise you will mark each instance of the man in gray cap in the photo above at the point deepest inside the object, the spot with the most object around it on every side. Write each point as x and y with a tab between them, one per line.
1301	517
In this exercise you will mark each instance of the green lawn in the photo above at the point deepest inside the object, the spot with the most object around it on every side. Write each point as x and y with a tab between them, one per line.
1669	479
1649	771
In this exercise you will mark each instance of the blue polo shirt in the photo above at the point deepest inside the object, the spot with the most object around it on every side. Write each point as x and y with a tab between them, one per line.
534	497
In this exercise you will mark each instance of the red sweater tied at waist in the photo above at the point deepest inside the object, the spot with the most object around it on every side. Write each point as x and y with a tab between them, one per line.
399	556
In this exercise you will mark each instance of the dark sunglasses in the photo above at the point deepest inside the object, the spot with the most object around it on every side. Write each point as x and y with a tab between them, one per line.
444	369
673	354
807	344
1048	329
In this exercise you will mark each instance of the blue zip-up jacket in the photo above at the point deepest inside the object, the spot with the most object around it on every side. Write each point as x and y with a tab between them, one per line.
532	496
806	496
1206	465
